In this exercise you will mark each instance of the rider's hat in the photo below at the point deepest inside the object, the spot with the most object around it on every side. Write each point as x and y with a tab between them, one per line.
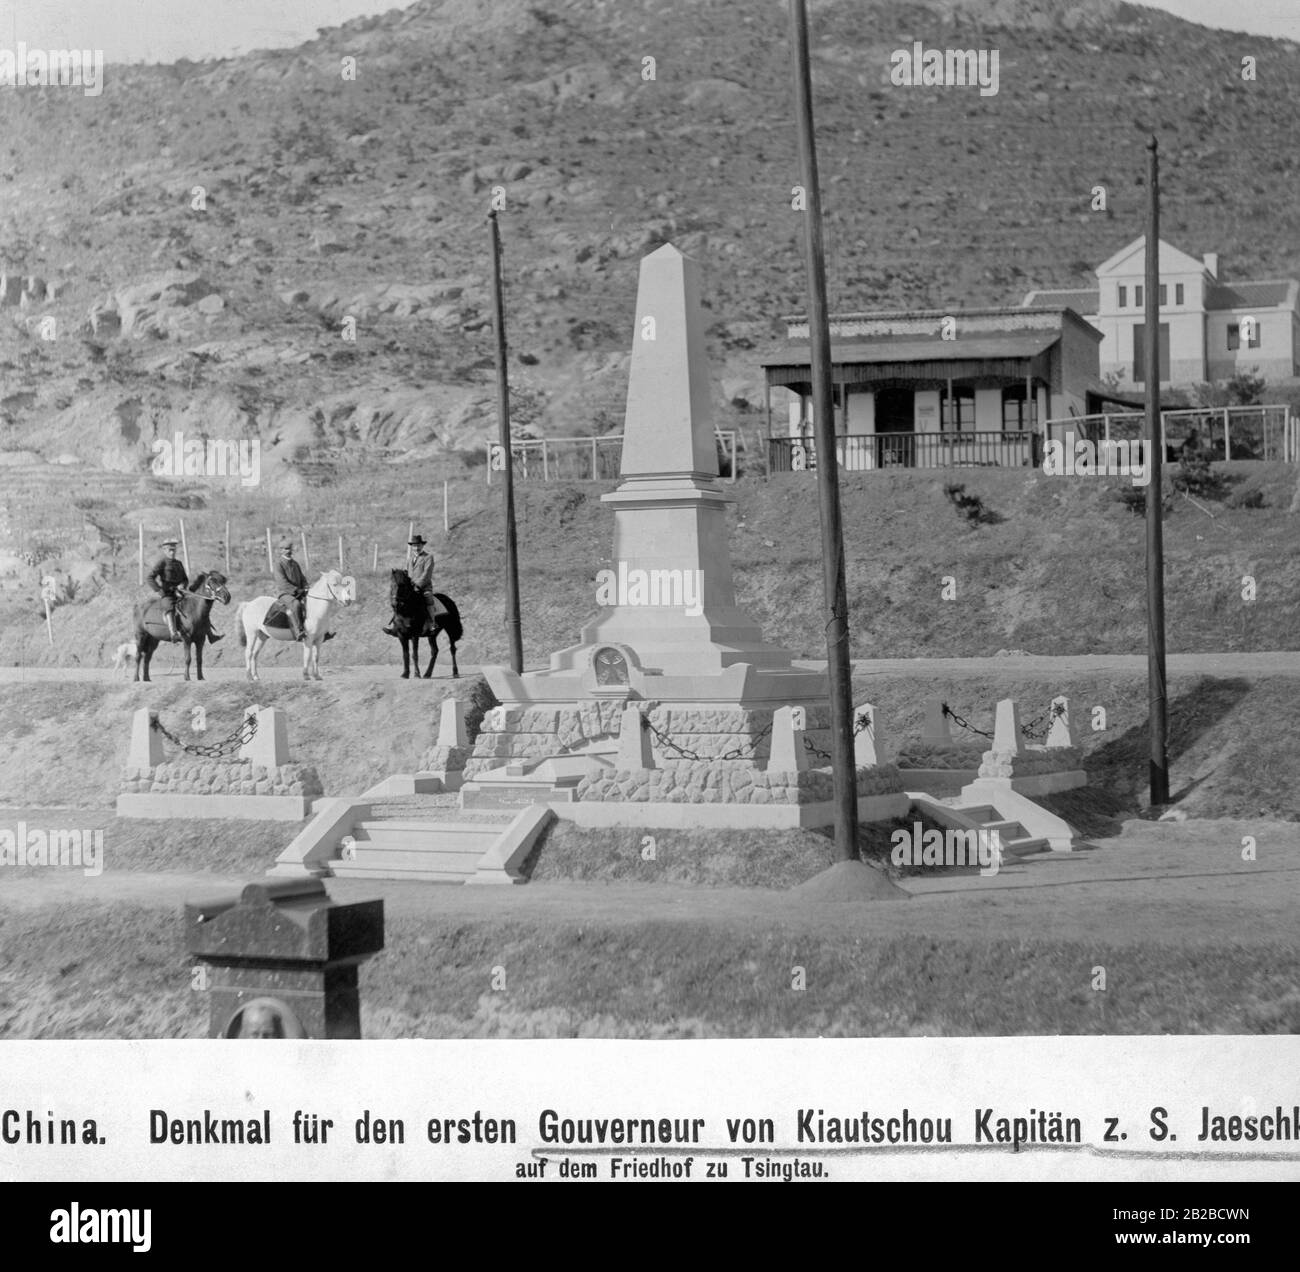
286	545
417	542
170	543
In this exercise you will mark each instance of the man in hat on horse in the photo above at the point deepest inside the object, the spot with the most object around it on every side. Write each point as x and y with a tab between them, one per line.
420	571
169	578
292	584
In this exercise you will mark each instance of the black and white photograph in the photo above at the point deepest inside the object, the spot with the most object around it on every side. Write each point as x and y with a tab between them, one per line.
727	534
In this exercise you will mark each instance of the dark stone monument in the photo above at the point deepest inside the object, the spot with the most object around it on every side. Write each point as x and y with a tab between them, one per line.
283	959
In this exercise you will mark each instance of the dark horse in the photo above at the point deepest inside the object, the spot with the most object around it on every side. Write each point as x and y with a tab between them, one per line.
411	619
192	622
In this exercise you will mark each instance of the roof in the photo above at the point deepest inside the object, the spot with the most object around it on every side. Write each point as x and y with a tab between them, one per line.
1082	300
1011	344
1270	291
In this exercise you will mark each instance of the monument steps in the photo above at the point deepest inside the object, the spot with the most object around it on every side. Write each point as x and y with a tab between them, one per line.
443	852
1014	839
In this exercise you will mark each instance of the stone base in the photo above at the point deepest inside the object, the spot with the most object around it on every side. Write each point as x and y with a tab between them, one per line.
938	782
190	807
871	808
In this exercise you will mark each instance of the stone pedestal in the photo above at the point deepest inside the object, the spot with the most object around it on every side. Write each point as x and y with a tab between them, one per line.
282	959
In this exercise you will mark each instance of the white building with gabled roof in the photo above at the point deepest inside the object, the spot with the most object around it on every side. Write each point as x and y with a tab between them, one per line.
1209	329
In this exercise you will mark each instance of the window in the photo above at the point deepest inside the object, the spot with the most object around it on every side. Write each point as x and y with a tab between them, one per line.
1137	297
1252	333
959	411
1164	295
1123	296
1178	293
1019	415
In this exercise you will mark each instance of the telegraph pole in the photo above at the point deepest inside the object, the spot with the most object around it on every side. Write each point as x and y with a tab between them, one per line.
514	628
1156	689
836	603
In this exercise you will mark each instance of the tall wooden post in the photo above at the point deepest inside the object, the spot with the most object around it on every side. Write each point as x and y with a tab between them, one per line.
514	628
270	559
139	552
1156	690
185	548
839	667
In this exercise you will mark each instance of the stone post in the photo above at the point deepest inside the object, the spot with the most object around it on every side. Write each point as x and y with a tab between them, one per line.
146	742
1060	732
868	742
788	753
269	746
936	727
451	725
1006	728
288	954
634	748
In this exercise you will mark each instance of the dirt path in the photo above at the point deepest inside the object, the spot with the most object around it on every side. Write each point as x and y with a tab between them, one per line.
1172	883
1268	663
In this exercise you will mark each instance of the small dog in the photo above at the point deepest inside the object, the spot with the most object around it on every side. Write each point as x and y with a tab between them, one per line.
125	657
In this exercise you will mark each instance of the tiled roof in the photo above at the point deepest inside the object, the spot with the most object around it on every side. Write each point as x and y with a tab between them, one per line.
1271	291
1012	344
1080	299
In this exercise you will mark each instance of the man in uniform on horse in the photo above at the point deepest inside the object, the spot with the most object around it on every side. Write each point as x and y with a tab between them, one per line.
292	584
420	571
169	578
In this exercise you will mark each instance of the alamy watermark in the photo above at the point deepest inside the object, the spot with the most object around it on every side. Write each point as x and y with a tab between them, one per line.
1084	458
950	847
208	457
635	586
24	67
946	68
37	846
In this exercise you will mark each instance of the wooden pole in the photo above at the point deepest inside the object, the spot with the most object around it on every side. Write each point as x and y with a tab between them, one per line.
446	509
49	625
836	610
306	556
514	627
227	546
270	560
340	554
139	553
374	565
1156	689
185	549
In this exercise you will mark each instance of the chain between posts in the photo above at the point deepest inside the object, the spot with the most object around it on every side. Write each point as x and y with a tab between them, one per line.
861	723
739	753
1035	729
211	750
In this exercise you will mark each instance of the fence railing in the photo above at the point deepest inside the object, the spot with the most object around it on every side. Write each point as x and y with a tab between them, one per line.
1227	432
585	458
865	451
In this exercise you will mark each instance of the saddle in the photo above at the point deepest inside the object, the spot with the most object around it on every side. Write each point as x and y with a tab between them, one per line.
277	615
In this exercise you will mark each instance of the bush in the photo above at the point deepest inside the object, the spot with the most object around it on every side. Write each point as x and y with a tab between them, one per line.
970	506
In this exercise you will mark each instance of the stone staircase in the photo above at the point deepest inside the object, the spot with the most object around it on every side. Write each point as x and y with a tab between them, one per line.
952	812
423	837
1015	840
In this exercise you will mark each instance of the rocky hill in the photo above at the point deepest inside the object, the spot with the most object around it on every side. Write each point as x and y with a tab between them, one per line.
201	234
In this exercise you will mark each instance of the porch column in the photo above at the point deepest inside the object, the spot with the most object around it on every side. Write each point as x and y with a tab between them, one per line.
767	408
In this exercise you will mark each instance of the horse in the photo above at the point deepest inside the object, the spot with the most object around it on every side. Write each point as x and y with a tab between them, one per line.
257	624
411	619
193	624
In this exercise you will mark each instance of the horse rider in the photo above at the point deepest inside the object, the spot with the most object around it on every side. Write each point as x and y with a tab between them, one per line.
292	584
168	578
420	570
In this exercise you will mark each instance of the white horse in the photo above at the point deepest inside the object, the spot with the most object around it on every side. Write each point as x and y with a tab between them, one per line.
330	590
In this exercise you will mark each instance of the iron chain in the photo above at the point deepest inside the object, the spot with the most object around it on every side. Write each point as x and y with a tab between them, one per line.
738	753
211	750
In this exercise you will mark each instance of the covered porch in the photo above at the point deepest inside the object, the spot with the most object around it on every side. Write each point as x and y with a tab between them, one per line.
917	403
